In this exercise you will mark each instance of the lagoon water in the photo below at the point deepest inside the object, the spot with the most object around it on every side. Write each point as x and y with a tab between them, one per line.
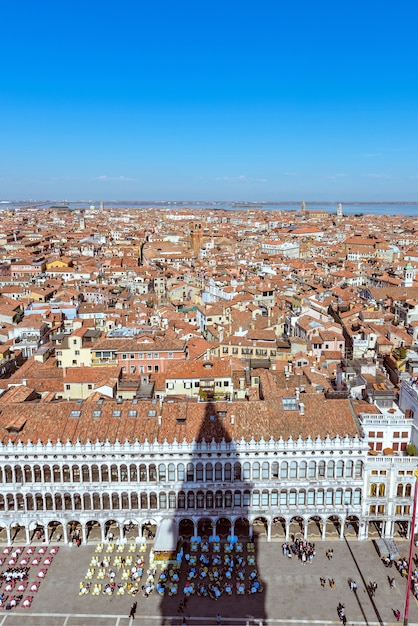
409	209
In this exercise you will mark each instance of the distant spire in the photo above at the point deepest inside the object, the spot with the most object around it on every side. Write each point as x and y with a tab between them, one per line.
303	206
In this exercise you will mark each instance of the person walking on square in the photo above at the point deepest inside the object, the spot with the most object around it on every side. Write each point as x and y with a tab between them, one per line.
397	615
218	620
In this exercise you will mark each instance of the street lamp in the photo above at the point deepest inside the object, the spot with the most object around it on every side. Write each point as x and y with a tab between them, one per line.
411	550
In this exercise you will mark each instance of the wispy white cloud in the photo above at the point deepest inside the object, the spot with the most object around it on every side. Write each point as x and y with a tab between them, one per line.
333	177
115	179
240	179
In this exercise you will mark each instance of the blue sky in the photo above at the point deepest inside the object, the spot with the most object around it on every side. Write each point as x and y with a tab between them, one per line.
222	100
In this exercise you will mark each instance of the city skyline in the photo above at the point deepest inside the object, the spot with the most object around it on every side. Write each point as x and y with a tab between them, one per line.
220	102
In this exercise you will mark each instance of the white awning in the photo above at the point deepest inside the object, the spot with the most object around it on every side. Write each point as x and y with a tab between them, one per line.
167	536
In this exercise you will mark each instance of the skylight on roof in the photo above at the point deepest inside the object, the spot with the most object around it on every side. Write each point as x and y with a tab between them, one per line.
290	404
74	413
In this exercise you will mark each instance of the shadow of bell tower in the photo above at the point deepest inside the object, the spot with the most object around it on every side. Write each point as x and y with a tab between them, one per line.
217	563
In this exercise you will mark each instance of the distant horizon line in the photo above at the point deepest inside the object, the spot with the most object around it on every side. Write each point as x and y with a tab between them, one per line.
215	202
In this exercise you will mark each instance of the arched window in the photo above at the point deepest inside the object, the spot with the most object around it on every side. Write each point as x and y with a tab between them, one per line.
373	490
19	474
163	500
321	469
312	469
38	474
237	471
133	473
228	472
20	501
331	469
310	497
76	473
124	500
153	504
320	497
57	498
144	500
106	501
115	501
256	470
68	505
219	500
86	502
265	471
338	497
359	469
134	501
28	474
200	499
264	498
292	497
182	500
105	473
274	498
284	470
8	474
293	473
190	473
348	497
357	496
124	473
256	498
237	498
172	500
228	499
180	472
2	502
85	475
349	469
209	500
77	501
302	497
171	472
39	503
95	474
66	476
303	466
283	497
209	472
162	473
218	471
143	473
152	473
10	502
246	471
382	490
275	469
96	502
339	470
199	472
408	490
190	500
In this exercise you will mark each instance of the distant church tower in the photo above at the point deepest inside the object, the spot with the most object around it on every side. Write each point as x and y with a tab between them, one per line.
408	275
82	223
339	212
304	208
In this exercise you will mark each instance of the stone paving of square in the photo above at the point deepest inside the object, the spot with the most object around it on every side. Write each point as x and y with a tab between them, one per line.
292	591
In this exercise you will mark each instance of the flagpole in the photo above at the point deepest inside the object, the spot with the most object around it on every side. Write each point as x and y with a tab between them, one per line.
411	550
